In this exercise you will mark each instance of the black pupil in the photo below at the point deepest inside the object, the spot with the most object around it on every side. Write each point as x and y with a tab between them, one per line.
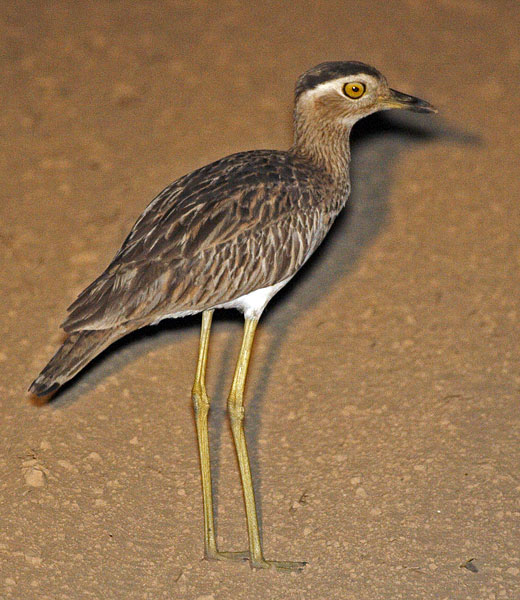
355	89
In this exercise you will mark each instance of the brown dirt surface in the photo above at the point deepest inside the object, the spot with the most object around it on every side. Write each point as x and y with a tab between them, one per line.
382	404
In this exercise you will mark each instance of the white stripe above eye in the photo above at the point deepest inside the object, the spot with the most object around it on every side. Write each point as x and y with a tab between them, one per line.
336	85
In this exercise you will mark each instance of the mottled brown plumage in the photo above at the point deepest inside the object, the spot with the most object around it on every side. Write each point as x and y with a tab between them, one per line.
230	235
239	224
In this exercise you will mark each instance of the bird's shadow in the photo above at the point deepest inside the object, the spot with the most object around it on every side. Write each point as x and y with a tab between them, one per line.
376	143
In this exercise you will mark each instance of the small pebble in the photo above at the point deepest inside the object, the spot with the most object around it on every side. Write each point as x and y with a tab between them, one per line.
67	465
361	493
34	477
95	457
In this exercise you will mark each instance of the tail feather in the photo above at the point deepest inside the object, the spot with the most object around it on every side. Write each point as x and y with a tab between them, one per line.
75	353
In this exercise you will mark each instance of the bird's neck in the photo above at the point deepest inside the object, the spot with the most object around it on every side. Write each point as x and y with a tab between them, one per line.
324	144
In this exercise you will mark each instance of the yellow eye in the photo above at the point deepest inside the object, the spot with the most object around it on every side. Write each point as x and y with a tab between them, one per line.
354	89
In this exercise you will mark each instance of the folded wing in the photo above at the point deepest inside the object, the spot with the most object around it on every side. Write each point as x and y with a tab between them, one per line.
213	235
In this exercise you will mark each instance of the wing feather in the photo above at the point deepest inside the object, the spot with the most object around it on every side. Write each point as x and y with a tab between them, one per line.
244	222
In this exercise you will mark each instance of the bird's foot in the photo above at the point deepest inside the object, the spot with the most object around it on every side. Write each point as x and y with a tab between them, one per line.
217	555
279	565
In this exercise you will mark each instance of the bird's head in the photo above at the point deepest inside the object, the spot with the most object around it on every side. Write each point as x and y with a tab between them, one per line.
344	92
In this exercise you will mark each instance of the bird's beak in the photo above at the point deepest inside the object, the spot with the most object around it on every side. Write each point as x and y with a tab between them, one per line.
399	100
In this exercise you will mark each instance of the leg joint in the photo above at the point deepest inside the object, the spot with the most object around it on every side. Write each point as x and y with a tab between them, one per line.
236	412
200	400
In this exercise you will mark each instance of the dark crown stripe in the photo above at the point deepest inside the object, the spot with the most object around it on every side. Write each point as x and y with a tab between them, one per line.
328	71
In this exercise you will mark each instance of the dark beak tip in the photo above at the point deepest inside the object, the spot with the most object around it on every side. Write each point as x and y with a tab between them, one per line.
428	109
412	103
423	106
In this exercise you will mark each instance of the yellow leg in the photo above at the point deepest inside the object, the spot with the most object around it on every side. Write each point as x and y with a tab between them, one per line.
236	414
201	405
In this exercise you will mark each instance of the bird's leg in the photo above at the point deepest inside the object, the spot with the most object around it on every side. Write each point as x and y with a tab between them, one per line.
236	414
201	405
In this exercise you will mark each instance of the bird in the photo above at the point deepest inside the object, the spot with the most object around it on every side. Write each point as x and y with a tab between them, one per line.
230	234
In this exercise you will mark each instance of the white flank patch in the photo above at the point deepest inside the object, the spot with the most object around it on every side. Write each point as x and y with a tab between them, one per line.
253	304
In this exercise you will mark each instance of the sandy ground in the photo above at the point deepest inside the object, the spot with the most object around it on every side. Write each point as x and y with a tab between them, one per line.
383	413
